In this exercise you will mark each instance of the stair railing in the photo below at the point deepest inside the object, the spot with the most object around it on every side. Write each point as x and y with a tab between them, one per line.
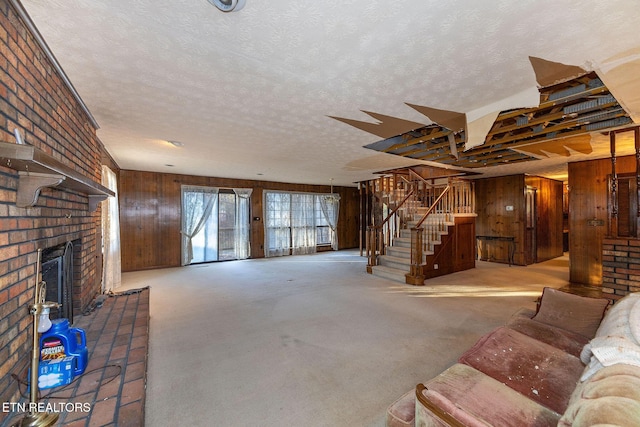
424	189
455	198
380	236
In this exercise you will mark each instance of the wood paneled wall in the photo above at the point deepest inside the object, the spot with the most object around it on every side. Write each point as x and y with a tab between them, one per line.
150	215
494	195
588	215
549	227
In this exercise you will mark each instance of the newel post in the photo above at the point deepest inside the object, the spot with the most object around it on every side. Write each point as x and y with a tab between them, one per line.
415	275
373	246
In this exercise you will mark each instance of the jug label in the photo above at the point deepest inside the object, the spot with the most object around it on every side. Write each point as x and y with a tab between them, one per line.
52	349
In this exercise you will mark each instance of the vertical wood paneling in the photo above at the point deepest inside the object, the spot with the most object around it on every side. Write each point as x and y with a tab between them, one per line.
588	190
150	215
493	195
549	217
257	226
465	235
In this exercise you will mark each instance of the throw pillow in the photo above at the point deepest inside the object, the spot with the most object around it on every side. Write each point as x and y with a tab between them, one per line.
574	313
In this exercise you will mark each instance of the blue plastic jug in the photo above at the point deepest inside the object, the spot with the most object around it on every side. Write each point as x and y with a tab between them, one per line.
61	341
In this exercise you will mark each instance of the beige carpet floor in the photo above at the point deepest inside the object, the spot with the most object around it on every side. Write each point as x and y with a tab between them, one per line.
313	340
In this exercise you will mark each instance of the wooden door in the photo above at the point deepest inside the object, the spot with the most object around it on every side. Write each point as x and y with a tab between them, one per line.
530	252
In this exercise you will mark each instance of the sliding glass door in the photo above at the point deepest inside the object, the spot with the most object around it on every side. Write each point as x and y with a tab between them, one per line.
215	224
226	227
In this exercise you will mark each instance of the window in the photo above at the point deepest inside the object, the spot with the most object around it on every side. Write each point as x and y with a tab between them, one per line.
296	223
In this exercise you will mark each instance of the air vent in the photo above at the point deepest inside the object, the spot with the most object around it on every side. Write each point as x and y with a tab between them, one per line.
620	121
228	5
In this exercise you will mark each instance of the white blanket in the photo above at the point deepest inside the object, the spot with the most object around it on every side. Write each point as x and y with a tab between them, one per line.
617	339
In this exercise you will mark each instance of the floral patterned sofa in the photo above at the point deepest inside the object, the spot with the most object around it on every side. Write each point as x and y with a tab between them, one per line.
563	365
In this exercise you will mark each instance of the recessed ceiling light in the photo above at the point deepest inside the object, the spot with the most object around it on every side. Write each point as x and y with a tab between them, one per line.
176	143
169	165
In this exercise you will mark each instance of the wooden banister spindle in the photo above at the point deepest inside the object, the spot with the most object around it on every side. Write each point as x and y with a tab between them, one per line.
614	176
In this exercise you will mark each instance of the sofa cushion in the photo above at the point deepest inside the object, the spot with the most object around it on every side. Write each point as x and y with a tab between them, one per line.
451	408
562	339
479	400
537	370
574	313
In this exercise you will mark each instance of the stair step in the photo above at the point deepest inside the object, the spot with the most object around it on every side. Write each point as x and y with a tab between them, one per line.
403	244
399	250
412	224
406	234
389	273
402	255
401	264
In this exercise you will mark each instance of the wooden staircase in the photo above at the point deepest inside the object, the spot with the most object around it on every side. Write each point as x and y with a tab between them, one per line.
417	237
395	264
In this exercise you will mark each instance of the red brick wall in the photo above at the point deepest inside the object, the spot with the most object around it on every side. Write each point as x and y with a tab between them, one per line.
620	266
35	99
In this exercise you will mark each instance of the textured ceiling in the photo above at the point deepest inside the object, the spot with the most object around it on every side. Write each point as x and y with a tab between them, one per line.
249	94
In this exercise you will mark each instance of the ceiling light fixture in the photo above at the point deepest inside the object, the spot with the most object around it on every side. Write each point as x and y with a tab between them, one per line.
228	5
176	143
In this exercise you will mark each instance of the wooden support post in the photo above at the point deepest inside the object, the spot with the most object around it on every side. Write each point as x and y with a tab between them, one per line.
636	137
614	186
361	218
372	250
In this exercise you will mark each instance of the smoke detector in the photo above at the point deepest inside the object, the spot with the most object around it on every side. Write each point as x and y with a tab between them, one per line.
228	5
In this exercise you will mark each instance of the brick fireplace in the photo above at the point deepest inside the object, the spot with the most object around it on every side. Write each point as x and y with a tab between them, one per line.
37	99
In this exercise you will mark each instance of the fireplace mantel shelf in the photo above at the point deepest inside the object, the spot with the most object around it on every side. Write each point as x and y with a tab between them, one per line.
38	170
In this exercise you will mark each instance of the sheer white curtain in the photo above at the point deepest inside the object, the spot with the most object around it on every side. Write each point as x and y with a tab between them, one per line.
330	205
277	223
303	224
242	227
197	204
111	267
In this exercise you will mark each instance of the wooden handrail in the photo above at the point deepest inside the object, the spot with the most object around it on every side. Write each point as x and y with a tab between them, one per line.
411	171
435	409
393	212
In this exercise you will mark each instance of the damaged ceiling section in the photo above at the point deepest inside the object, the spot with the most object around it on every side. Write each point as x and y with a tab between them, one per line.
570	104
